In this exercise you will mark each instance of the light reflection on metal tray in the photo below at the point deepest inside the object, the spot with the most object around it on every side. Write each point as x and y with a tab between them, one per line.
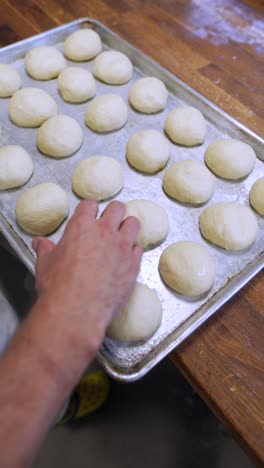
181	317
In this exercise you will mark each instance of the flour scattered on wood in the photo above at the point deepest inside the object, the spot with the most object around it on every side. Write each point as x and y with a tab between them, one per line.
221	22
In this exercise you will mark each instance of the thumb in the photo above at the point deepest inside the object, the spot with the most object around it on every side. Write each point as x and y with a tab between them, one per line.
43	247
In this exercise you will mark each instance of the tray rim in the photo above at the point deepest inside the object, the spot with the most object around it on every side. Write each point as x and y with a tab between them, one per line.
240	280
233	285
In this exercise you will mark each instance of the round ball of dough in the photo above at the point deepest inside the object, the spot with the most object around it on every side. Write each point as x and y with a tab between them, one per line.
59	136
44	62
188	182
41	209
76	84
153	219
140	318
256	196
98	177
113	67
82	45
30	107
188	268
106	113
148	151
229	225
10	80
186	126
230	159
148	95
16	166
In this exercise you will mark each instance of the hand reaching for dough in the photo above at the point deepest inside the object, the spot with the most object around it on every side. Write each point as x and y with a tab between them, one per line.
92	269
82	282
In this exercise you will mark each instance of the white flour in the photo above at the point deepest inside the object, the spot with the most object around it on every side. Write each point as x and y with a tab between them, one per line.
221	22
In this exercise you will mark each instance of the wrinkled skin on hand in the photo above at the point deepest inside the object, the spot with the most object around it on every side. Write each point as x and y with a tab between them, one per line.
92	269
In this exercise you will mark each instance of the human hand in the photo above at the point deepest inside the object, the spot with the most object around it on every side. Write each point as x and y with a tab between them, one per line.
89	275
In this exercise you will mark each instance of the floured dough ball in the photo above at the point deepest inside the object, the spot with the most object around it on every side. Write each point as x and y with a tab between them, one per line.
188	268
154	221
82	45
76	84
16	166
41	209
188	182
106	113
60	136
230	159
256	196
229	225
186	126
148	151
148	95
30	107
113	67
44	62
98	177
140	318
10	80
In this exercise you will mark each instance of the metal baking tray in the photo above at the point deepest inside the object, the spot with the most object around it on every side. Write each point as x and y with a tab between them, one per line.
130	362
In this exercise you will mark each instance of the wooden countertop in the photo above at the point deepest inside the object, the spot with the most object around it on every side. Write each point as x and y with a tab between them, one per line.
216	46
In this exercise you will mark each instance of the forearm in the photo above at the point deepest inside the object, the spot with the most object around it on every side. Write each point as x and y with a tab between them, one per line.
83	282
38	372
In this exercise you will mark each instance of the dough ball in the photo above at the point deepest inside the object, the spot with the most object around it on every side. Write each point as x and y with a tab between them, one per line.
98	177
59	136
153	219
188	268
148	95
82	45
30	107
41	209
10	80
76	84
140	318
16	166
189	182
230	159
230	225
113	67
256	196
44	62
106	113
186	126
148	151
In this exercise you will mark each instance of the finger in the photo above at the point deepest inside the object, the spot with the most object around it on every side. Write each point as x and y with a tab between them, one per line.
88	208
114	214
43	248
84	213
129	229
137	254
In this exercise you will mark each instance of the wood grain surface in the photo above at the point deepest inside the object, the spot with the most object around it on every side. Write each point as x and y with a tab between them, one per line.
216	46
